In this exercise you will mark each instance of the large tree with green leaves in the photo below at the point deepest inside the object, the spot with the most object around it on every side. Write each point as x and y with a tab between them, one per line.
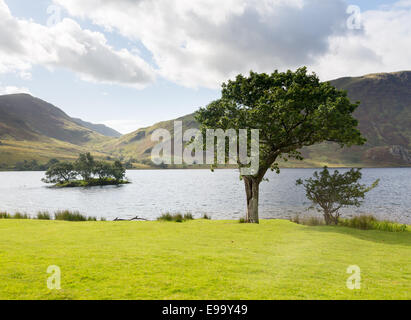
292	110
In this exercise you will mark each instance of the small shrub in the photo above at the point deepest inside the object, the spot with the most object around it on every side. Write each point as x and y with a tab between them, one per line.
206	217
92	219
242	220
103	219
314	221
43	216
67	215
364	222
311	221
188	216
296	219
5	215
21	216
176	217
369	222
165	217
331	192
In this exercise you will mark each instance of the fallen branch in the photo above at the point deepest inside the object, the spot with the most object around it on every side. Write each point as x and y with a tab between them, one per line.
132	219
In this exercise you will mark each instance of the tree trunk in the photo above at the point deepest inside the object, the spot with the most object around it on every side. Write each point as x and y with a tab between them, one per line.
330	219
252	191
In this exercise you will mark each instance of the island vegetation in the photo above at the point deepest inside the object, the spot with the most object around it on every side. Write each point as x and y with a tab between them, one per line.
86	172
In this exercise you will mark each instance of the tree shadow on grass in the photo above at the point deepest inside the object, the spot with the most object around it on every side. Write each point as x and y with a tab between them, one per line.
392	238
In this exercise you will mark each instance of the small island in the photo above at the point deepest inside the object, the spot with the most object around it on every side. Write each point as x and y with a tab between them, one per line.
85	172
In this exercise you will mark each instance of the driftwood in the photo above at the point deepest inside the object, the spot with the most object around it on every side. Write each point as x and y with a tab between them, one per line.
132	219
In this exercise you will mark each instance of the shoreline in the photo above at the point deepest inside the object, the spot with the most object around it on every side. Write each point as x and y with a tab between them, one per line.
30	217
216	169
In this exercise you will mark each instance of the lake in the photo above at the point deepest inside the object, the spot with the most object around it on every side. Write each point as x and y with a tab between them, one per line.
220	194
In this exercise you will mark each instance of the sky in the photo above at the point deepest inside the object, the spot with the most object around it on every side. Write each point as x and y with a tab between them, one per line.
132	63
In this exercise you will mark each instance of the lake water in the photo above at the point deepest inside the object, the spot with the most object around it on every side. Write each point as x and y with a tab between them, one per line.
220	194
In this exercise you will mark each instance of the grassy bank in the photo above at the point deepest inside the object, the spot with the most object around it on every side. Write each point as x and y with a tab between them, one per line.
200	260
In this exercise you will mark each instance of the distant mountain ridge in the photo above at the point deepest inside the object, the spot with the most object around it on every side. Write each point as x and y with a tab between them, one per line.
100	128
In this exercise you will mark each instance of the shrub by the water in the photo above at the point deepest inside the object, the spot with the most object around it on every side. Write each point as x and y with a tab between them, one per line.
5	215
369	222
64	215
43	215
363	222
309	221
67	215
188	216
175	217
20	216
331	192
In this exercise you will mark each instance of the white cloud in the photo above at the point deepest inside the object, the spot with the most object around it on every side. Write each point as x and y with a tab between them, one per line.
204	42
24	43
383	46
201	43
13	90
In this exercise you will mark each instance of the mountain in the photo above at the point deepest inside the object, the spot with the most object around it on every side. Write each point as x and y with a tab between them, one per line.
23	117
384	115
384	119
138	144
99	128
31	128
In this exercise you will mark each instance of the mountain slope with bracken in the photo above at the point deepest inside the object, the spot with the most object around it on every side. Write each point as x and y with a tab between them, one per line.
384	119
32	129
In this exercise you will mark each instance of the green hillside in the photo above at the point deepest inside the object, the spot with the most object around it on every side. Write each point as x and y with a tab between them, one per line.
138	144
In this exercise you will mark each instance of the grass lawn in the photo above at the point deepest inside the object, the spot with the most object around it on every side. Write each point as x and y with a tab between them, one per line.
200	260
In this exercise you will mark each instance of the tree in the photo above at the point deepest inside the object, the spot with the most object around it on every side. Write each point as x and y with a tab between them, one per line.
118	171
291	110
102	169
333	192
84	165
60	172
51	162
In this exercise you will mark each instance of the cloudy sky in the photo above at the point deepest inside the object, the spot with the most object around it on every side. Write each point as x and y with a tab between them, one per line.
131	63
